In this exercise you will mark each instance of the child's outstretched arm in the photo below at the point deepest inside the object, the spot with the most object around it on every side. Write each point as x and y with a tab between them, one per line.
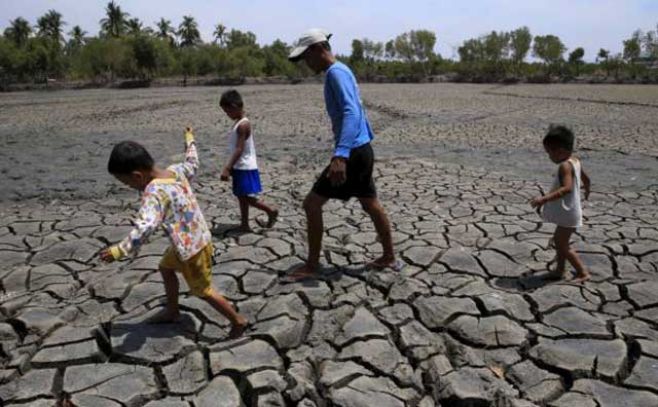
566	185
149	217
191	163
244	130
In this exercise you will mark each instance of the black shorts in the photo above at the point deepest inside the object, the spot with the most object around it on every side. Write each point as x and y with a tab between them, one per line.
359	183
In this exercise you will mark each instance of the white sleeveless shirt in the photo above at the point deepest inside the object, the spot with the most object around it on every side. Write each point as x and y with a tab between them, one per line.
247	160
566	211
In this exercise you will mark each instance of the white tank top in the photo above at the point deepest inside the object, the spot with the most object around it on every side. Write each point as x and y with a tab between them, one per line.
566	211
247	160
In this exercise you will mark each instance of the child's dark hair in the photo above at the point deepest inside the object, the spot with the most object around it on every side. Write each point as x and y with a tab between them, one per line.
559	136
129	156
231	98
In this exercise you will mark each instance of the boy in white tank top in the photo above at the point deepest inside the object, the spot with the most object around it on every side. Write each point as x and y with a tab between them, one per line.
242	165
561	205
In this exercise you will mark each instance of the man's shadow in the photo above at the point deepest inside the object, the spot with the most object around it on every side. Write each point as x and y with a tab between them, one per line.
326	273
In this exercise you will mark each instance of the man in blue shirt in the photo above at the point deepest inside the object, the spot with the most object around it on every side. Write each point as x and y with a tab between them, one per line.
350	172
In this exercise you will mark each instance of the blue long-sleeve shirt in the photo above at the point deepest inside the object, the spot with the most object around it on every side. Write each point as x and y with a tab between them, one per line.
348	119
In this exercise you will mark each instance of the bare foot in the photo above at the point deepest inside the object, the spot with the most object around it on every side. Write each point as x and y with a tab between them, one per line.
385	262
582	277
272	218
238	328
301	273
164	317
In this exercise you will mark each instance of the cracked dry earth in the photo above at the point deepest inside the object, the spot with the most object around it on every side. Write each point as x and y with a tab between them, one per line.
469	322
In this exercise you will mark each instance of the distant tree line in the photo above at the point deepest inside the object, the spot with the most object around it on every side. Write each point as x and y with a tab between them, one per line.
128	49
500	55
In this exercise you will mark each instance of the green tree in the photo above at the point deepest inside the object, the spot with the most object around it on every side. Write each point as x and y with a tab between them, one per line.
496	46
633	51
416	46
549	49
276	59
403	47
389	49
115	21
472	51
166	32
423	42
188	31
616	64
372	52
245	61
650	44
19	31
220	34
357	55
77	35
145	54
520	41
105	57
50	26
603	58
576	59
134	26
237	38
187	63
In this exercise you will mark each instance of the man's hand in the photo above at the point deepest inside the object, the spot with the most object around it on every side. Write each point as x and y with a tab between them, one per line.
226	173
537	202
337	171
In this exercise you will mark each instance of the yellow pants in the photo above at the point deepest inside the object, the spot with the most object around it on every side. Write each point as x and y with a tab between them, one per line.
197	270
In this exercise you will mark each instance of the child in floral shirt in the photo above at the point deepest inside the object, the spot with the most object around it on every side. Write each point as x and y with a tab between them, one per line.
168	201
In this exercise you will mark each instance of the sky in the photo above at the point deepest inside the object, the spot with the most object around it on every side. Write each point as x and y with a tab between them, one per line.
591	24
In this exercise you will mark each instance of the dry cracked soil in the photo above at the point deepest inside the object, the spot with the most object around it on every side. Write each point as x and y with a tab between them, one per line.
469	322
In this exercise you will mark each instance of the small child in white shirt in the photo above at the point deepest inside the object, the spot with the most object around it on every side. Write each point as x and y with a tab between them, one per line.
242	165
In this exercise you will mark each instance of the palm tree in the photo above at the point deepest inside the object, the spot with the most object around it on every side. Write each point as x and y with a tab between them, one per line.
134	26
220	34
114	25
50	26
19	31
188	31
166	31
77	38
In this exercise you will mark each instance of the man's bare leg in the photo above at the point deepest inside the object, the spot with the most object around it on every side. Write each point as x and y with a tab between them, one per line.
377	213
314	228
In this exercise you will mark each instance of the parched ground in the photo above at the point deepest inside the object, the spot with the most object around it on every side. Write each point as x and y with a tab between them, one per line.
469	322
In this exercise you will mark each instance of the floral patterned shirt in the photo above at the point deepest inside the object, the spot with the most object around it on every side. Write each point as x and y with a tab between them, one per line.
170	203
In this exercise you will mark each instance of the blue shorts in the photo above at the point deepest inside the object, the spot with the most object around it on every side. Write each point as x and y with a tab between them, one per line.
246	182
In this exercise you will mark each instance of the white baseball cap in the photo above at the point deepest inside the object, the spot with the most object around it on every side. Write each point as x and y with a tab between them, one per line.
310	37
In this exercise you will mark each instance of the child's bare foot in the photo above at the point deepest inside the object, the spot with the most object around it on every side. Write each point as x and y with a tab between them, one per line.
581	277
238	328
164	317
272	218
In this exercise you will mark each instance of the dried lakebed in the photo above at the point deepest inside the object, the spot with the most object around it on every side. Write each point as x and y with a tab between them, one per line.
469	322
